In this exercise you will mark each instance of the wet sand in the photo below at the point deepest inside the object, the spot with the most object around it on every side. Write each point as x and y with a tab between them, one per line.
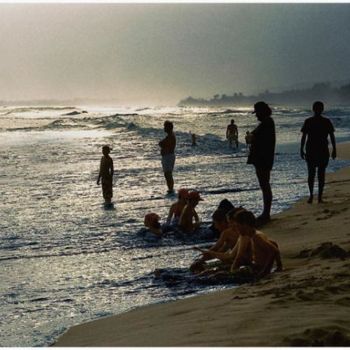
306	304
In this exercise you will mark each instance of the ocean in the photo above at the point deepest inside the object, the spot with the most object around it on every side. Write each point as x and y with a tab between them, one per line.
65	259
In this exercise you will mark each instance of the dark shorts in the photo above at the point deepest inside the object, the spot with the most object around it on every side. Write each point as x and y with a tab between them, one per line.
317	161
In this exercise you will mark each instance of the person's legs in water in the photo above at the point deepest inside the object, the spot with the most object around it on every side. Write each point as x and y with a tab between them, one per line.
311	169
169	180
107	190
264	182
321	174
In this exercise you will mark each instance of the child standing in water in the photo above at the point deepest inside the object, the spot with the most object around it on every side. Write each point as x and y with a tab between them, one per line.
106	174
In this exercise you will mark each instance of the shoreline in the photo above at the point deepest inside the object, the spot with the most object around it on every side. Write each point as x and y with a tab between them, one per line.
306	304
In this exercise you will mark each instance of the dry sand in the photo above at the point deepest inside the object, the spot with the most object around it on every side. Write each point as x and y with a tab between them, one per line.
307	304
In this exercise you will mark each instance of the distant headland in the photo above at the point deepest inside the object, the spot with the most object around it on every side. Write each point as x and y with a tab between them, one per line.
319	91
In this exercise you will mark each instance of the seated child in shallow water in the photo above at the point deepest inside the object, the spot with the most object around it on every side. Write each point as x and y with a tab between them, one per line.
177	208
189	213
151	221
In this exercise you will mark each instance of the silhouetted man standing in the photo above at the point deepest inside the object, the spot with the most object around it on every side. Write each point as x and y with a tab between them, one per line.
167	150
262	153
317	129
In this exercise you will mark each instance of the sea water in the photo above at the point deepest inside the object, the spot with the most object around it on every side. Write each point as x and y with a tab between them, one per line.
65	259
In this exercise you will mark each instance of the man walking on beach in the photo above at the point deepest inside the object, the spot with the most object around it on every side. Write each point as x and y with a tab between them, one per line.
262	153
232	133
106	174
317	129
167	150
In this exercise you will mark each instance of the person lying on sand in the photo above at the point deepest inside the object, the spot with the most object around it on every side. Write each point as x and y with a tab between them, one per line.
151	221
227	240
177	207
189	213
253	248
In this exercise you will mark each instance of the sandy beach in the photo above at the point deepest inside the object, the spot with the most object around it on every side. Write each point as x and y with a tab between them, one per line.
306	304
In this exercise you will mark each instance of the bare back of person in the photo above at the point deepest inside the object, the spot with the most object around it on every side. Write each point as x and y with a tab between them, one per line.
232	129
265	253
186	219
230	237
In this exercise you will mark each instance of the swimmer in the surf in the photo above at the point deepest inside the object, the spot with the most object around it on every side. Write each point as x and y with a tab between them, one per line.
151	221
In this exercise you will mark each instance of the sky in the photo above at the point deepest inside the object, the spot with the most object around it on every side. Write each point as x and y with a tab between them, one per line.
146	54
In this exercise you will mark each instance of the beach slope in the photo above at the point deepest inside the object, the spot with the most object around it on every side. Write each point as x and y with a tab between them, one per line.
306	304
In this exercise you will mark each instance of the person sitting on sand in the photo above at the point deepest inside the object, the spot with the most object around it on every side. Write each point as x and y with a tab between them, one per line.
225	205
151	221
106	174
227	240
177	208
253	248
189	213
254	244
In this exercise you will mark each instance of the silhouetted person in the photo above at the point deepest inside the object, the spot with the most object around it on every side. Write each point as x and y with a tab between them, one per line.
193	138
189	213
167	150
106	174
317	129
232	133
262	153
248	139
225	205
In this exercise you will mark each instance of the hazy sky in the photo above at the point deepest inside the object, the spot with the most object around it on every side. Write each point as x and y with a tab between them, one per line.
160	53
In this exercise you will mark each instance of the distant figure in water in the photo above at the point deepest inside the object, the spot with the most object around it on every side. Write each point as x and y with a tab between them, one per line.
189	213
232	133
167	150
262	153
193	138
248	138
316	129
177	208
151	221
106	174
